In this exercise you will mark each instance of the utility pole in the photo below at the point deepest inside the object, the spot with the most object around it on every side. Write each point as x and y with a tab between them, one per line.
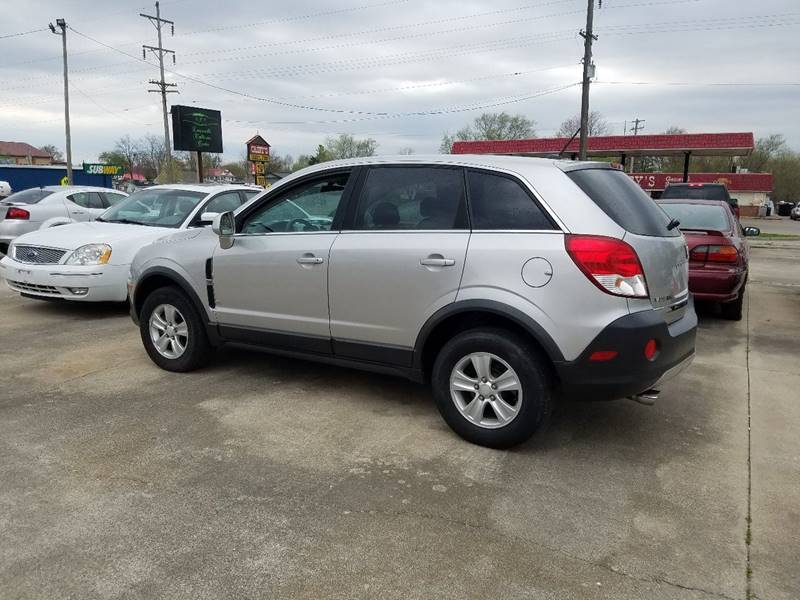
588	73
637	125
62	25
161	84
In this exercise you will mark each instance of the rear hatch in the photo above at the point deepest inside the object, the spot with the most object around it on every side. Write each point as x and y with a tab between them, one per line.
662	251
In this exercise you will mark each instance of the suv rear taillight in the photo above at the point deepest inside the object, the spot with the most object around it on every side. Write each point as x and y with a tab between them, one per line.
715	254
17	213
609	263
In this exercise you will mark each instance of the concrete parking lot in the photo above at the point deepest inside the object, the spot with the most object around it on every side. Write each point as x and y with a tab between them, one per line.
261	477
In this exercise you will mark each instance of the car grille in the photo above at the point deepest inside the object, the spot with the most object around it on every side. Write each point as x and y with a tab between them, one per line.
18	286
38	255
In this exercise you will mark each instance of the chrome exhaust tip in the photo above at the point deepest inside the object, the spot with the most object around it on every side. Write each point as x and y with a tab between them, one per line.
648	397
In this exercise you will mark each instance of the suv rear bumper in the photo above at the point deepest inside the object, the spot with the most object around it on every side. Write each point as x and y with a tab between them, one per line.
630	372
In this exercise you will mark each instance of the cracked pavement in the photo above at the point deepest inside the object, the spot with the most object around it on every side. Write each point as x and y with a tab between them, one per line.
262	477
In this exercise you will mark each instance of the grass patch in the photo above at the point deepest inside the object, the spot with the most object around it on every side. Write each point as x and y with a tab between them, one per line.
777	236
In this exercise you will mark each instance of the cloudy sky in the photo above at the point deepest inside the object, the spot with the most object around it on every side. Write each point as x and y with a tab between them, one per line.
400	71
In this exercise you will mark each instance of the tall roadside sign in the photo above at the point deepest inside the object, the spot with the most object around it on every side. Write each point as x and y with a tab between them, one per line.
197	130
258	154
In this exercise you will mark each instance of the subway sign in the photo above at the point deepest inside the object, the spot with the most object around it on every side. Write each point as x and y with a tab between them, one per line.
101	169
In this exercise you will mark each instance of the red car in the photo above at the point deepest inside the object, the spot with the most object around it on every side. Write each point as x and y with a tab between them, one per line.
718	252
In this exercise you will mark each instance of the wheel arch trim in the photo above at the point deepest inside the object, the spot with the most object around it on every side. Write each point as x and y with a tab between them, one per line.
531	326
177	279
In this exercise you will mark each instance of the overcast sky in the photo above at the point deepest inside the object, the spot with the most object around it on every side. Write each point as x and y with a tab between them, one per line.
300	71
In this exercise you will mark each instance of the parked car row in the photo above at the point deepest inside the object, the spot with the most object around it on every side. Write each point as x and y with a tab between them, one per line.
45	207
504	282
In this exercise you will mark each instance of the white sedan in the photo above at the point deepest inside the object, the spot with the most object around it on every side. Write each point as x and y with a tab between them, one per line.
43	207
90	261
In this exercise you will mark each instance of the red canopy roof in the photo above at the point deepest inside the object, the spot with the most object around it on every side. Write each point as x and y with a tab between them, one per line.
717	144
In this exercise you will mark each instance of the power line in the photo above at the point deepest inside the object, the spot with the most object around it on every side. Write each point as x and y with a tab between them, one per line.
21	33
326	13
703	83
398	28
332	110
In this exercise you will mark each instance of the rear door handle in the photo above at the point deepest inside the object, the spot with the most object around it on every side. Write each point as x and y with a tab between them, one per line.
78	212
309	260
437	262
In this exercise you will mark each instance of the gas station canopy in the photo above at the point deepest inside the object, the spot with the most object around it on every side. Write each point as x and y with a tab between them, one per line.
681	144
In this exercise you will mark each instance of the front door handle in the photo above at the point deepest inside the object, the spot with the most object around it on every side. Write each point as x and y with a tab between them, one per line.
78	212
309	260
437	262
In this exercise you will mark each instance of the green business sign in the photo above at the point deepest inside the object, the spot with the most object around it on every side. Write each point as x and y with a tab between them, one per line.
101	169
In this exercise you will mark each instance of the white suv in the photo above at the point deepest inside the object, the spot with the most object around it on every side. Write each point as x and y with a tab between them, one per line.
503	281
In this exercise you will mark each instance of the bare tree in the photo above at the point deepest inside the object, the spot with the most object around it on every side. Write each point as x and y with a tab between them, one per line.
129	150
406	151
597	125
54	152
153	155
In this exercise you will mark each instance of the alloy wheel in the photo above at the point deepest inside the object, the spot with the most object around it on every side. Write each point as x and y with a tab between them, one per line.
168	331
486	390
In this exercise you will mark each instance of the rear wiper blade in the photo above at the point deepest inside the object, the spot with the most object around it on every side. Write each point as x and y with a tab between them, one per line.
673	224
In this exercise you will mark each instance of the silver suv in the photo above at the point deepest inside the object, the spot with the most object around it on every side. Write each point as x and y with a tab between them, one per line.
505	282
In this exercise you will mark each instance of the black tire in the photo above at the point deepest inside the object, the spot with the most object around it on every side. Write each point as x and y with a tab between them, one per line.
733	310
198	351
531	367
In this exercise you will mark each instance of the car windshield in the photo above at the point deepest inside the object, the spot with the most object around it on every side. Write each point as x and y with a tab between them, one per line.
688	192
161	207
704	217
31	196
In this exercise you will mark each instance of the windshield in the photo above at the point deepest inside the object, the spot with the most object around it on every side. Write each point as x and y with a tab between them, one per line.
156	207
699	216
31	196
688	192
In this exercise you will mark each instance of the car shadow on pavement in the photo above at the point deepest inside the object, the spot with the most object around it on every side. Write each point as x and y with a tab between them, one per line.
573	424
64	308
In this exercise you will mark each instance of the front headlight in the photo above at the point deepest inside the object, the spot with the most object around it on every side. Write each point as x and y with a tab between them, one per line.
90	254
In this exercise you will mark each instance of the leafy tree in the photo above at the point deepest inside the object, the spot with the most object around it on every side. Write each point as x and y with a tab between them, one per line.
54	152
238	169
491	126
347	146
766	149
597	125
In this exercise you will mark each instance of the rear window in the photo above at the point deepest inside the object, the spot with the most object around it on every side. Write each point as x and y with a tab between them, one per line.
703	217
688	192
31	196
624	201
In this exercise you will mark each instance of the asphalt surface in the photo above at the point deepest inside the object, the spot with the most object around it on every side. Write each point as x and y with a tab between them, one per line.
262	477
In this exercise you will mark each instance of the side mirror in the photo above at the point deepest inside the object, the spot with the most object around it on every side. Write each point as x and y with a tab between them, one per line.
752	231
225	227
735	201
208	217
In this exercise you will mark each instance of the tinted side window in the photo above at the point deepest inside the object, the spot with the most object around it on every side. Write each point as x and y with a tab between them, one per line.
95	200
624	201
306	207
224	202
498	202
80	198
412	198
